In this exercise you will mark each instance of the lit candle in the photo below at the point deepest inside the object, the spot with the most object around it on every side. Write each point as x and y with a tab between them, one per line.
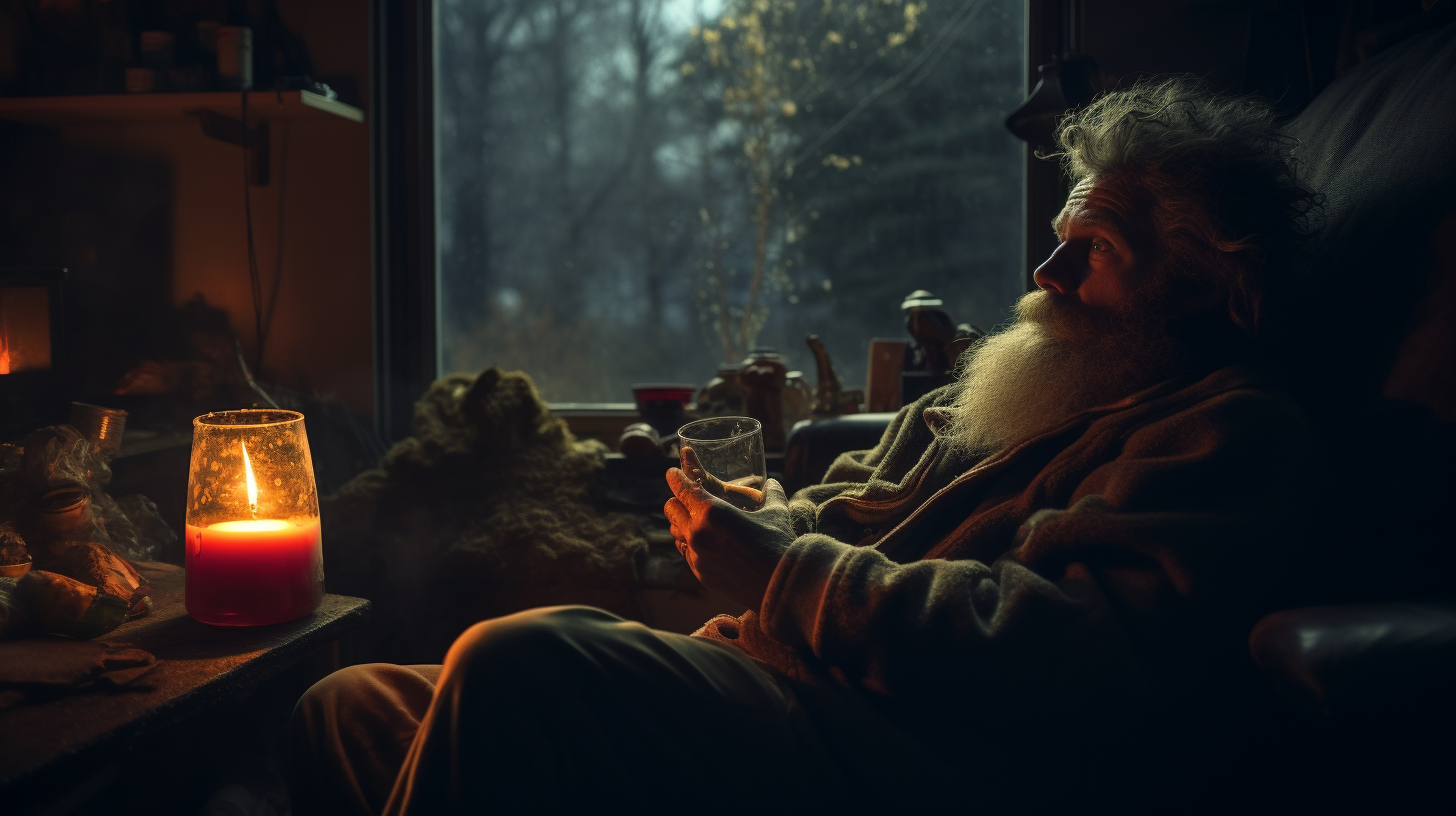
247	571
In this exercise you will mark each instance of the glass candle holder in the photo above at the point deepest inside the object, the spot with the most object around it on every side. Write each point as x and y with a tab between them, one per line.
254	545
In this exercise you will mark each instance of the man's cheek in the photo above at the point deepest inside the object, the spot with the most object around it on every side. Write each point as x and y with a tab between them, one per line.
1070	319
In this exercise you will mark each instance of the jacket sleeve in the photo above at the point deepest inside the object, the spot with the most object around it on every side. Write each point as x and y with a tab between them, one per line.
881	468
1190	526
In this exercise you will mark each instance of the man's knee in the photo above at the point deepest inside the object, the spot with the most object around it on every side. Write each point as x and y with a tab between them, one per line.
344	688
541	640
370	695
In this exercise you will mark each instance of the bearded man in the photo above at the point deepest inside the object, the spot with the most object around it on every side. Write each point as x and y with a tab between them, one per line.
1040	582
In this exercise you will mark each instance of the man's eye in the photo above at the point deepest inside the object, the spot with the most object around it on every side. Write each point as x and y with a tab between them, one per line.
1099	246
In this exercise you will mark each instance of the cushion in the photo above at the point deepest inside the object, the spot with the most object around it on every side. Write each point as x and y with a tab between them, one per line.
1377	145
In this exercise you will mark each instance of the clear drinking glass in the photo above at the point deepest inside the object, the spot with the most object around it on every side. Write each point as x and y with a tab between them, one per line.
725	456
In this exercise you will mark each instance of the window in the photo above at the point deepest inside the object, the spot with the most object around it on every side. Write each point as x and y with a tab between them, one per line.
644	190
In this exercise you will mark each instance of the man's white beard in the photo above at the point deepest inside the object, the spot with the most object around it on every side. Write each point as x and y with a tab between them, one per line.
1056	360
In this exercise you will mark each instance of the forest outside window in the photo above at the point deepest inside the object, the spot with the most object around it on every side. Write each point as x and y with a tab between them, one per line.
645	190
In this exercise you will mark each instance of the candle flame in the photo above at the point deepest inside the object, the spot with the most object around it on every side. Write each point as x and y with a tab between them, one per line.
252	483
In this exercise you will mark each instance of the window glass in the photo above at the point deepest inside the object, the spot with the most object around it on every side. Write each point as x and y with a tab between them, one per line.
643	190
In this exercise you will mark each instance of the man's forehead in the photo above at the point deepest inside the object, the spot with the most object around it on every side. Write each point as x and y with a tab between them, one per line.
1093	201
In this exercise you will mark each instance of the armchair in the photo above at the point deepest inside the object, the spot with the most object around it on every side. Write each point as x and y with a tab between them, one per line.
1369	717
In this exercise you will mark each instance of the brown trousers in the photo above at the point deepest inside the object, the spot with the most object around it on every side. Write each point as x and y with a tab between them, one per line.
573	710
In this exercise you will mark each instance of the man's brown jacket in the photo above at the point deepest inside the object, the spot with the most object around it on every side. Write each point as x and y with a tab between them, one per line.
1118	559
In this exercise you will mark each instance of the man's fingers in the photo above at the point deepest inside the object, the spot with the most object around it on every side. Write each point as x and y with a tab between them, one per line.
692	468
688	459
679	482
692	495
677	515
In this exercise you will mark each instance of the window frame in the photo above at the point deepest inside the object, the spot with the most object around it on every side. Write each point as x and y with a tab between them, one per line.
402	187
402	147
1053	28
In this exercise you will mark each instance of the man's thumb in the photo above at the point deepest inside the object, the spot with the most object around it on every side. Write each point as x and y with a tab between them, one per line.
773	493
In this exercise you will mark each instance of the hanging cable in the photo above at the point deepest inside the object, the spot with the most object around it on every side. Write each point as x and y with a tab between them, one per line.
254	278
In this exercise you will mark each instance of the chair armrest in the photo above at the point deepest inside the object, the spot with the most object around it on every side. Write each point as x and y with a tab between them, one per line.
1375	664
814	444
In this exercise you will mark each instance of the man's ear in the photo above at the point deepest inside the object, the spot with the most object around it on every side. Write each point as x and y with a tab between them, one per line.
1204	296
1193	297
1234	296
1245	296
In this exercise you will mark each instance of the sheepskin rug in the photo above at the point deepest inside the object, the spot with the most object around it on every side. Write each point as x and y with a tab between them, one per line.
490	508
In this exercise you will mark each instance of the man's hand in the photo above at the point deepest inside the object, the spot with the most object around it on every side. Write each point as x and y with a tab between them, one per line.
733	552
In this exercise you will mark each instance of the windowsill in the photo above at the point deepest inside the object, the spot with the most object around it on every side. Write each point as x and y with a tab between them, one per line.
602	421
592	408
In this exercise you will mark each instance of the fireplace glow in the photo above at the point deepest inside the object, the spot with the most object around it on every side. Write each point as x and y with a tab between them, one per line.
25	329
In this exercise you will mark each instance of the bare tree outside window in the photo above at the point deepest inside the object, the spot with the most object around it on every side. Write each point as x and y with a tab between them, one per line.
645	190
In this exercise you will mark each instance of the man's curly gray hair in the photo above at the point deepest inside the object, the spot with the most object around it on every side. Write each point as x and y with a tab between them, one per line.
1218	178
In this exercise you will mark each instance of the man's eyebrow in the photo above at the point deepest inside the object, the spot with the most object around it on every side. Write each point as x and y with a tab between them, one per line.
1092	217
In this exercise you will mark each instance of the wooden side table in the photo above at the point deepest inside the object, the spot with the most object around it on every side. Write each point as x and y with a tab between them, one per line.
47	748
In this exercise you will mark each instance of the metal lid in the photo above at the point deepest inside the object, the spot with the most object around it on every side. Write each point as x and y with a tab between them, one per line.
921	298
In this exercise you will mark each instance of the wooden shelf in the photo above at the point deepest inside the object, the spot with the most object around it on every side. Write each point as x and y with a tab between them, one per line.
263	106
199	670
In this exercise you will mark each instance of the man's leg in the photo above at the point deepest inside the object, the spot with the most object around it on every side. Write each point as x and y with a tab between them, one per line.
572	709
351	733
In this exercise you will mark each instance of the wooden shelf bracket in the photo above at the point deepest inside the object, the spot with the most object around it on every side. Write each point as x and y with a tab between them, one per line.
255	139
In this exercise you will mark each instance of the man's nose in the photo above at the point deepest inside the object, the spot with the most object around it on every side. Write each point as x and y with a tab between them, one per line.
1063	272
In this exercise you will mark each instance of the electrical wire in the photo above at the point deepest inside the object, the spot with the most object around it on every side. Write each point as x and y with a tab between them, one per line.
254	278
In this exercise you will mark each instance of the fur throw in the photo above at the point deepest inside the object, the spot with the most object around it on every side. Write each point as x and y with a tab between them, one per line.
490	508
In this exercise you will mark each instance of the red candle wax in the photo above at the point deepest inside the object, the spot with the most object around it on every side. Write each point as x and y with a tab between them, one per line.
246	573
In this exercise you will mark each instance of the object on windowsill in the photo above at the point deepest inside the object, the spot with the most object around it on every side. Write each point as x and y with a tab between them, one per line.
764	375
798	399
966	335
663	406
830	398
882	376
640	441
932	330
726	395
722	396
932	355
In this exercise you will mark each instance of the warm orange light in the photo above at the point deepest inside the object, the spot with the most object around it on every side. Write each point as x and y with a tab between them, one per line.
253	526
252	483
4	348
258	562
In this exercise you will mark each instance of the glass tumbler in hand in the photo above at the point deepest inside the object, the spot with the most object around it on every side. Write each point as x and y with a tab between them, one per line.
725	456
